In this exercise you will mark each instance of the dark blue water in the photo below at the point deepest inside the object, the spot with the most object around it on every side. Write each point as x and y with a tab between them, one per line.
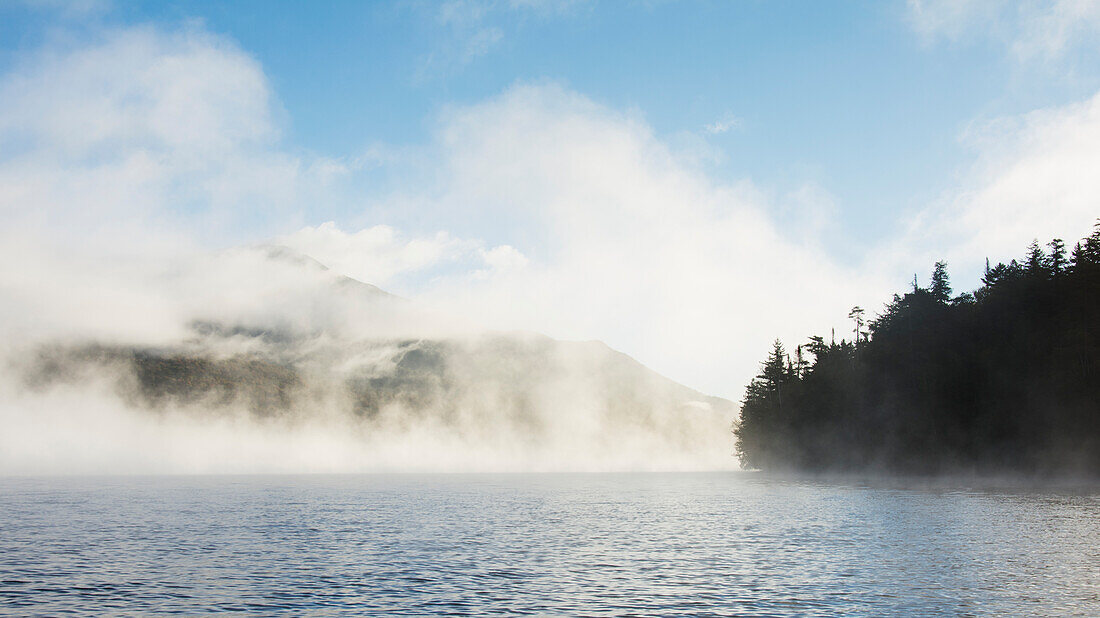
628	544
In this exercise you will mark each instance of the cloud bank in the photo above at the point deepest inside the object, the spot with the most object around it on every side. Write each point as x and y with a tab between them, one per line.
1034	179
624	241
141	133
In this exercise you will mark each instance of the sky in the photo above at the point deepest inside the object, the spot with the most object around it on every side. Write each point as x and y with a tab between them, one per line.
685	181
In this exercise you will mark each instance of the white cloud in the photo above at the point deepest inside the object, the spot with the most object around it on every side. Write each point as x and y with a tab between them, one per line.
626	241
951	18
143	130
375	254
1032	29
1034	173
1052	30
119	157
724	124
1035	178
383	256
479	43
504	258
470	29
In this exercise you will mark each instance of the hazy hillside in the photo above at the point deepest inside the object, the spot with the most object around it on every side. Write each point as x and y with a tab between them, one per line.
513	395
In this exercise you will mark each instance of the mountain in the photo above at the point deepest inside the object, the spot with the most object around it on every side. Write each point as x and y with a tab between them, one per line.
542	400
286	255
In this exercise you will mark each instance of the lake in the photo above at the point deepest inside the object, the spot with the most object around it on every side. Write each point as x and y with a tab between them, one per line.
572	544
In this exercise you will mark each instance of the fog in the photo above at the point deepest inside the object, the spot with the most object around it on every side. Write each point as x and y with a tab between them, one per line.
261	359
88	431
153	319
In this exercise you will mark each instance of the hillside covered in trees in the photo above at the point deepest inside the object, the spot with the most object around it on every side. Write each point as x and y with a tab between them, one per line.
1002	380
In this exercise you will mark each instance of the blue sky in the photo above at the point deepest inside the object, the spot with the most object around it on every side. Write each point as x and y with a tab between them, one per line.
862	140
847	96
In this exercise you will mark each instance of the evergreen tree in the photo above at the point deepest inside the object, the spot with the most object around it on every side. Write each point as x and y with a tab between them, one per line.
856	315
1078	257
774	372
1036	259
817	347
941	285
1057	259
966	298
993	275
1091	251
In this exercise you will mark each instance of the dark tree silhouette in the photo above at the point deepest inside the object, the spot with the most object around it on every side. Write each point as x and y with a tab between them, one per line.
856	316
1036	259
1057	259
941	283
1006	379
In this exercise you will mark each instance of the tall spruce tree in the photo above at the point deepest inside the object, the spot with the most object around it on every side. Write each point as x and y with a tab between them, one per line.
941	283
1036	259
1057	259
774	371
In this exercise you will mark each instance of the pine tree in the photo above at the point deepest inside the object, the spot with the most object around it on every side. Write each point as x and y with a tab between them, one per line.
941	283
1077	257
1091	250
1057	259
1036	259
856	315
773	373
774	370
818	348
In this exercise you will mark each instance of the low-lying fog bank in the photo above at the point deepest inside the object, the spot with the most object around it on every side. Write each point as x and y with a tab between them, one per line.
316	372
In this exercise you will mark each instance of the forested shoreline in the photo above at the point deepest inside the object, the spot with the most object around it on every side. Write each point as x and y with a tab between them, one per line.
1005	379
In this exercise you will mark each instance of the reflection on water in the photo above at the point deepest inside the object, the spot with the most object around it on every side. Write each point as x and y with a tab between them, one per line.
653	544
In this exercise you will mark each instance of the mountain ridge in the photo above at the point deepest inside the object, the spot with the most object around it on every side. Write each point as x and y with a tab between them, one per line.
486	390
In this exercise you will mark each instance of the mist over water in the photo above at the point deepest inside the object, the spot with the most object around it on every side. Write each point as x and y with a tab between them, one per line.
77	431
263	360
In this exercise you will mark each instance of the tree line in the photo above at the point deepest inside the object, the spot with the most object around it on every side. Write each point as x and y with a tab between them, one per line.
1005	379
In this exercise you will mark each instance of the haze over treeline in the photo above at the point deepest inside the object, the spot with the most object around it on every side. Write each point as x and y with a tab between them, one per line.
1004	379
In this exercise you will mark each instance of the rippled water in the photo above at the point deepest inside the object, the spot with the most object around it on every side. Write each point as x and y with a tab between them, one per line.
627	544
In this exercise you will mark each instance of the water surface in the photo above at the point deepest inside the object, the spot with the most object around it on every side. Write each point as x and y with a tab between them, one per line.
615	544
